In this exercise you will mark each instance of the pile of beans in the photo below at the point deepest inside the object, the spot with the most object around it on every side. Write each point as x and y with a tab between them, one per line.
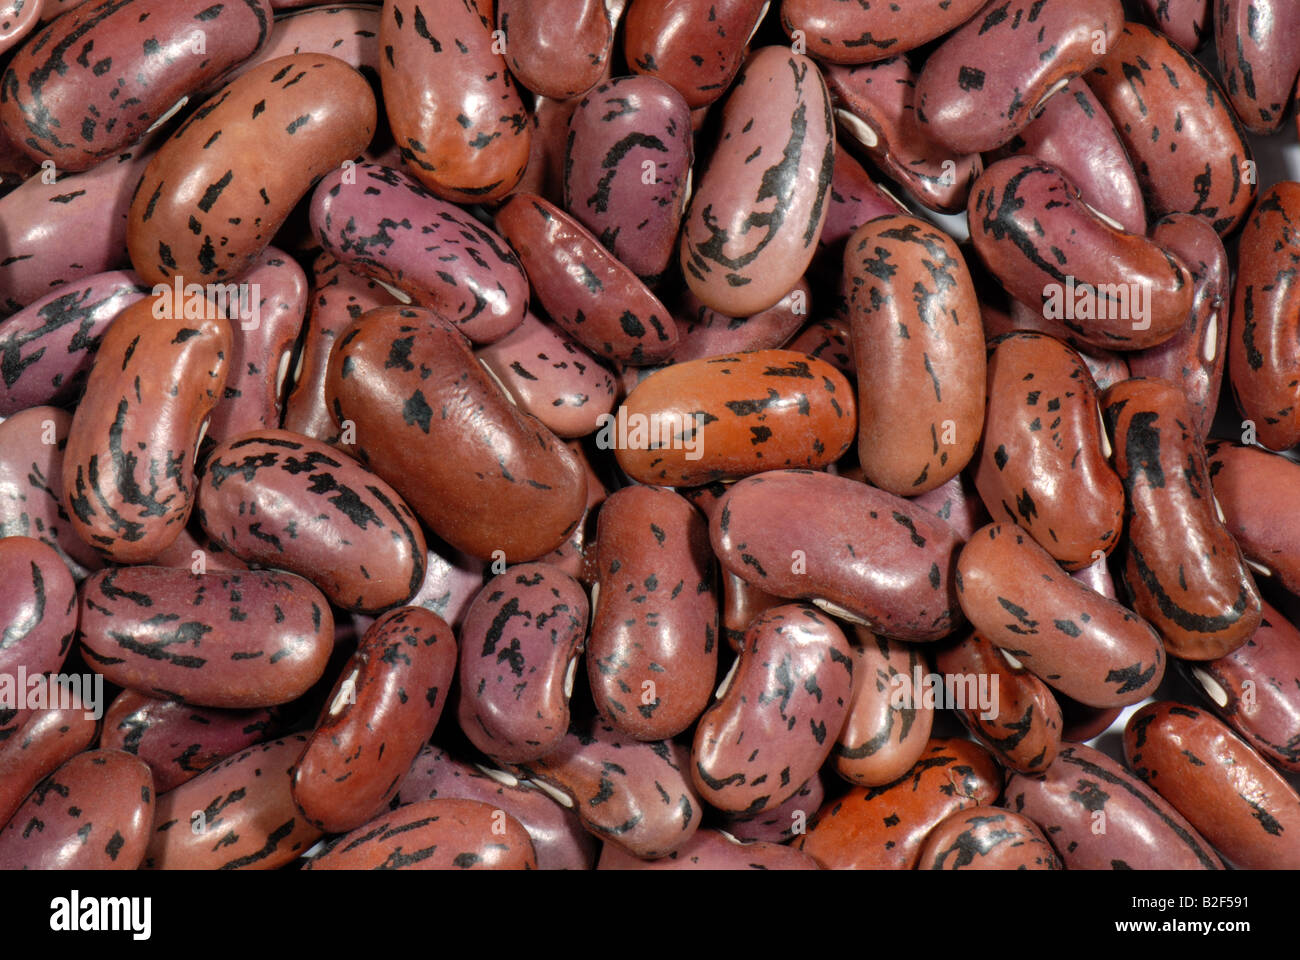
632	434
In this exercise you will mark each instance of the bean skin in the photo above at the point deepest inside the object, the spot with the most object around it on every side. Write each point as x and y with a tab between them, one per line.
338	297
782	823
873	828
790	690
615	131
713	850
558	838
137	58
1186	22
275	498
1101	817
1042	465
888	726
1081	643
238	815
878	557
38	607
737	415
128	468
592	296
384	225
1222	786
911	297
383	708
434	835
455	112
348	31
987	840
1184	570
1256	689
1196	355
1255	490
753	223
47	349
17	19
38	748
875	103
483	475
653	649
1075	135
695	45
31	485
1189	152
860	33
1258	58
644	800
1034	232
178	741
1262	350
208	205
521	640
1023	728
988	80
252	639
556	48
93	813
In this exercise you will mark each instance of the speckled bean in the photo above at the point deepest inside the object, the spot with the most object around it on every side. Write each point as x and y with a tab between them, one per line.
251	639
178	741
39	747
861	32
713	850
93	813
1184	571
987	840
556	48
1101	817
484	476
1256	491
694	45
875	556
1258	57
210	200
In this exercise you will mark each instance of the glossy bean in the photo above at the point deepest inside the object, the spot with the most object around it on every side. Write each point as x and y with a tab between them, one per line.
1052	251
1079	642
784	822
1186	22
1042	465
859	33
521	641
627	164
1194	358
1254	489
1101	817
556	48
17	19
551	376
348	31
39	747
1184	570
47	349
1020	722
1218	782
987	840
1258	57
789	692
1190	153
989	79
694	45
237	815
483	475
889	723
707	333
713	850
128	470
137	59
454	110
1262	350
592	296
209	202
885	827
93	813
383	708
645	802
251	639
757	212
728	417
911	297
434	835
384	225
178	741
857	550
